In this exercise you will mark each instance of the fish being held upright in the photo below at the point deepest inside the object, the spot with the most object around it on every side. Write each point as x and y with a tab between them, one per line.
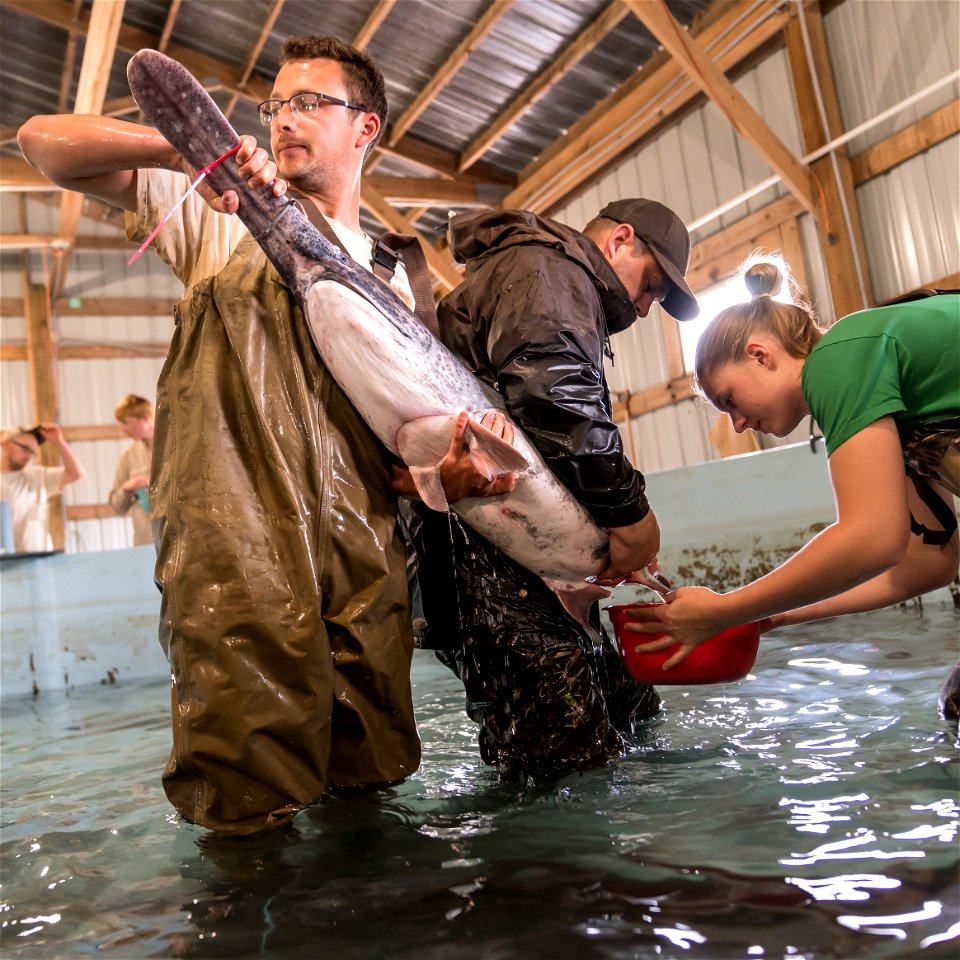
403	381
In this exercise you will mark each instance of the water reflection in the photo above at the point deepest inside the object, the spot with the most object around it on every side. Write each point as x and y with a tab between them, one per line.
883	925
847	887
719	836
844	850
830	666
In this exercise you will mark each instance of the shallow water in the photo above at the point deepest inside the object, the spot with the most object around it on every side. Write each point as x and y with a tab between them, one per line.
808	811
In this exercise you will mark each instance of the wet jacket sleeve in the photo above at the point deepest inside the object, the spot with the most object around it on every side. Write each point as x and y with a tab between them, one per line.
545	339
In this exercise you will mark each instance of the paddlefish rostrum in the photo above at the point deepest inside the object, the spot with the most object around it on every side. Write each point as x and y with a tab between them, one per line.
404	382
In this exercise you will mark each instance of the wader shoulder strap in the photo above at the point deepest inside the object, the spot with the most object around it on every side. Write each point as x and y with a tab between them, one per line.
943	514
392	247
316	217
387	251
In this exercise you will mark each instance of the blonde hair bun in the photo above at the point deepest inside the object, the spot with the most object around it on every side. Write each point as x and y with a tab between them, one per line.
762	278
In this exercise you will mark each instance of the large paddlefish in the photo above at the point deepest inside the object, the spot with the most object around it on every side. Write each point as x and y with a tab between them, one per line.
406	384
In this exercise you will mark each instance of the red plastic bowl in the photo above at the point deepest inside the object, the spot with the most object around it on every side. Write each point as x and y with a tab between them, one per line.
724	658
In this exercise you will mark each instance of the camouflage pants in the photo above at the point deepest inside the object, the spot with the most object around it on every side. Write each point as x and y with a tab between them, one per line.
548	697
933	450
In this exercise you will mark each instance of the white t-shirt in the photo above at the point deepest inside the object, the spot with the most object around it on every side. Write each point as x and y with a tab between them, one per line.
159	190
27	491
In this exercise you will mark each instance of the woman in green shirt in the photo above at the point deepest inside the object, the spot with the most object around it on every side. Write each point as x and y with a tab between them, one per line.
884	387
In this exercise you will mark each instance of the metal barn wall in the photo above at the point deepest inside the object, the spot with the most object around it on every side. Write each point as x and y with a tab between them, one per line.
882	52
88	388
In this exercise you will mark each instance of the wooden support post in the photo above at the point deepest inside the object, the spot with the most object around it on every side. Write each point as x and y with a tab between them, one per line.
841	240
41	363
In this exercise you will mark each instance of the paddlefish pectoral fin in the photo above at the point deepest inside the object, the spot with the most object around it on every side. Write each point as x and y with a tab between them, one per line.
577	599
430	487
424	442
492	455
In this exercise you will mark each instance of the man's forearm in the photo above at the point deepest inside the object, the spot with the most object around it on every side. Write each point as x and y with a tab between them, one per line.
924	569
94	155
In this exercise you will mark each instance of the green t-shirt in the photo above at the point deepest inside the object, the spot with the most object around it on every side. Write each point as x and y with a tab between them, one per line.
901	361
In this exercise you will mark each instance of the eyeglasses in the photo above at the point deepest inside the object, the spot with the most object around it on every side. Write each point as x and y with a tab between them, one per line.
301	103
24	447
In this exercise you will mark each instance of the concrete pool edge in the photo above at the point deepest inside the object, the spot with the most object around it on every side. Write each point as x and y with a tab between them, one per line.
76	619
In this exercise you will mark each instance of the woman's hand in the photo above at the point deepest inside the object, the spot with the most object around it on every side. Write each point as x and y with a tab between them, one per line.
689	616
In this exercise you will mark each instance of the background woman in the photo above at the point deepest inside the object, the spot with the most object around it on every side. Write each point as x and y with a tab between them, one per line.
131	481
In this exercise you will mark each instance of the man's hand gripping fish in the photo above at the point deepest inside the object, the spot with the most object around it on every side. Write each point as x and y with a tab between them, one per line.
405	383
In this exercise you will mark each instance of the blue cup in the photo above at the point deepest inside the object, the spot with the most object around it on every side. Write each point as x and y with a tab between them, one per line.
6	528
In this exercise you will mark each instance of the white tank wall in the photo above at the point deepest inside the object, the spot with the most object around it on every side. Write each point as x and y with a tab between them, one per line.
69	620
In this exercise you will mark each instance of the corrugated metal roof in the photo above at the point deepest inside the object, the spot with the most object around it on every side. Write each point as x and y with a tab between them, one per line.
414	41
411	45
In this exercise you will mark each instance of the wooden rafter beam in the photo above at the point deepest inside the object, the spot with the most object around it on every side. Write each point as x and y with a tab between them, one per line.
111	108
441	263
655	16
429	192
372	23
16	175
99	307
431	157
642	105
746	229
223	76
39	241
922	135
568	59
31	241
838	222
255	51
261	40
450	68
41	356
168	25
93	351
69	58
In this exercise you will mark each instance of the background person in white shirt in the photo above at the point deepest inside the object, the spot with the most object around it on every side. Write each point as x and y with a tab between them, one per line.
27	487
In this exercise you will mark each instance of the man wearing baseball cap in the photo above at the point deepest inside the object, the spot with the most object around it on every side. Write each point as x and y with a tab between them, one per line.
532	319
666	238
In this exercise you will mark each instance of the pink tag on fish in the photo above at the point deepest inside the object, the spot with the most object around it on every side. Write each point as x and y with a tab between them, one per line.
193	186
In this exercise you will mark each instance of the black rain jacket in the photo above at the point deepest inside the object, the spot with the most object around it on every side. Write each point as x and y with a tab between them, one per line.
531	319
